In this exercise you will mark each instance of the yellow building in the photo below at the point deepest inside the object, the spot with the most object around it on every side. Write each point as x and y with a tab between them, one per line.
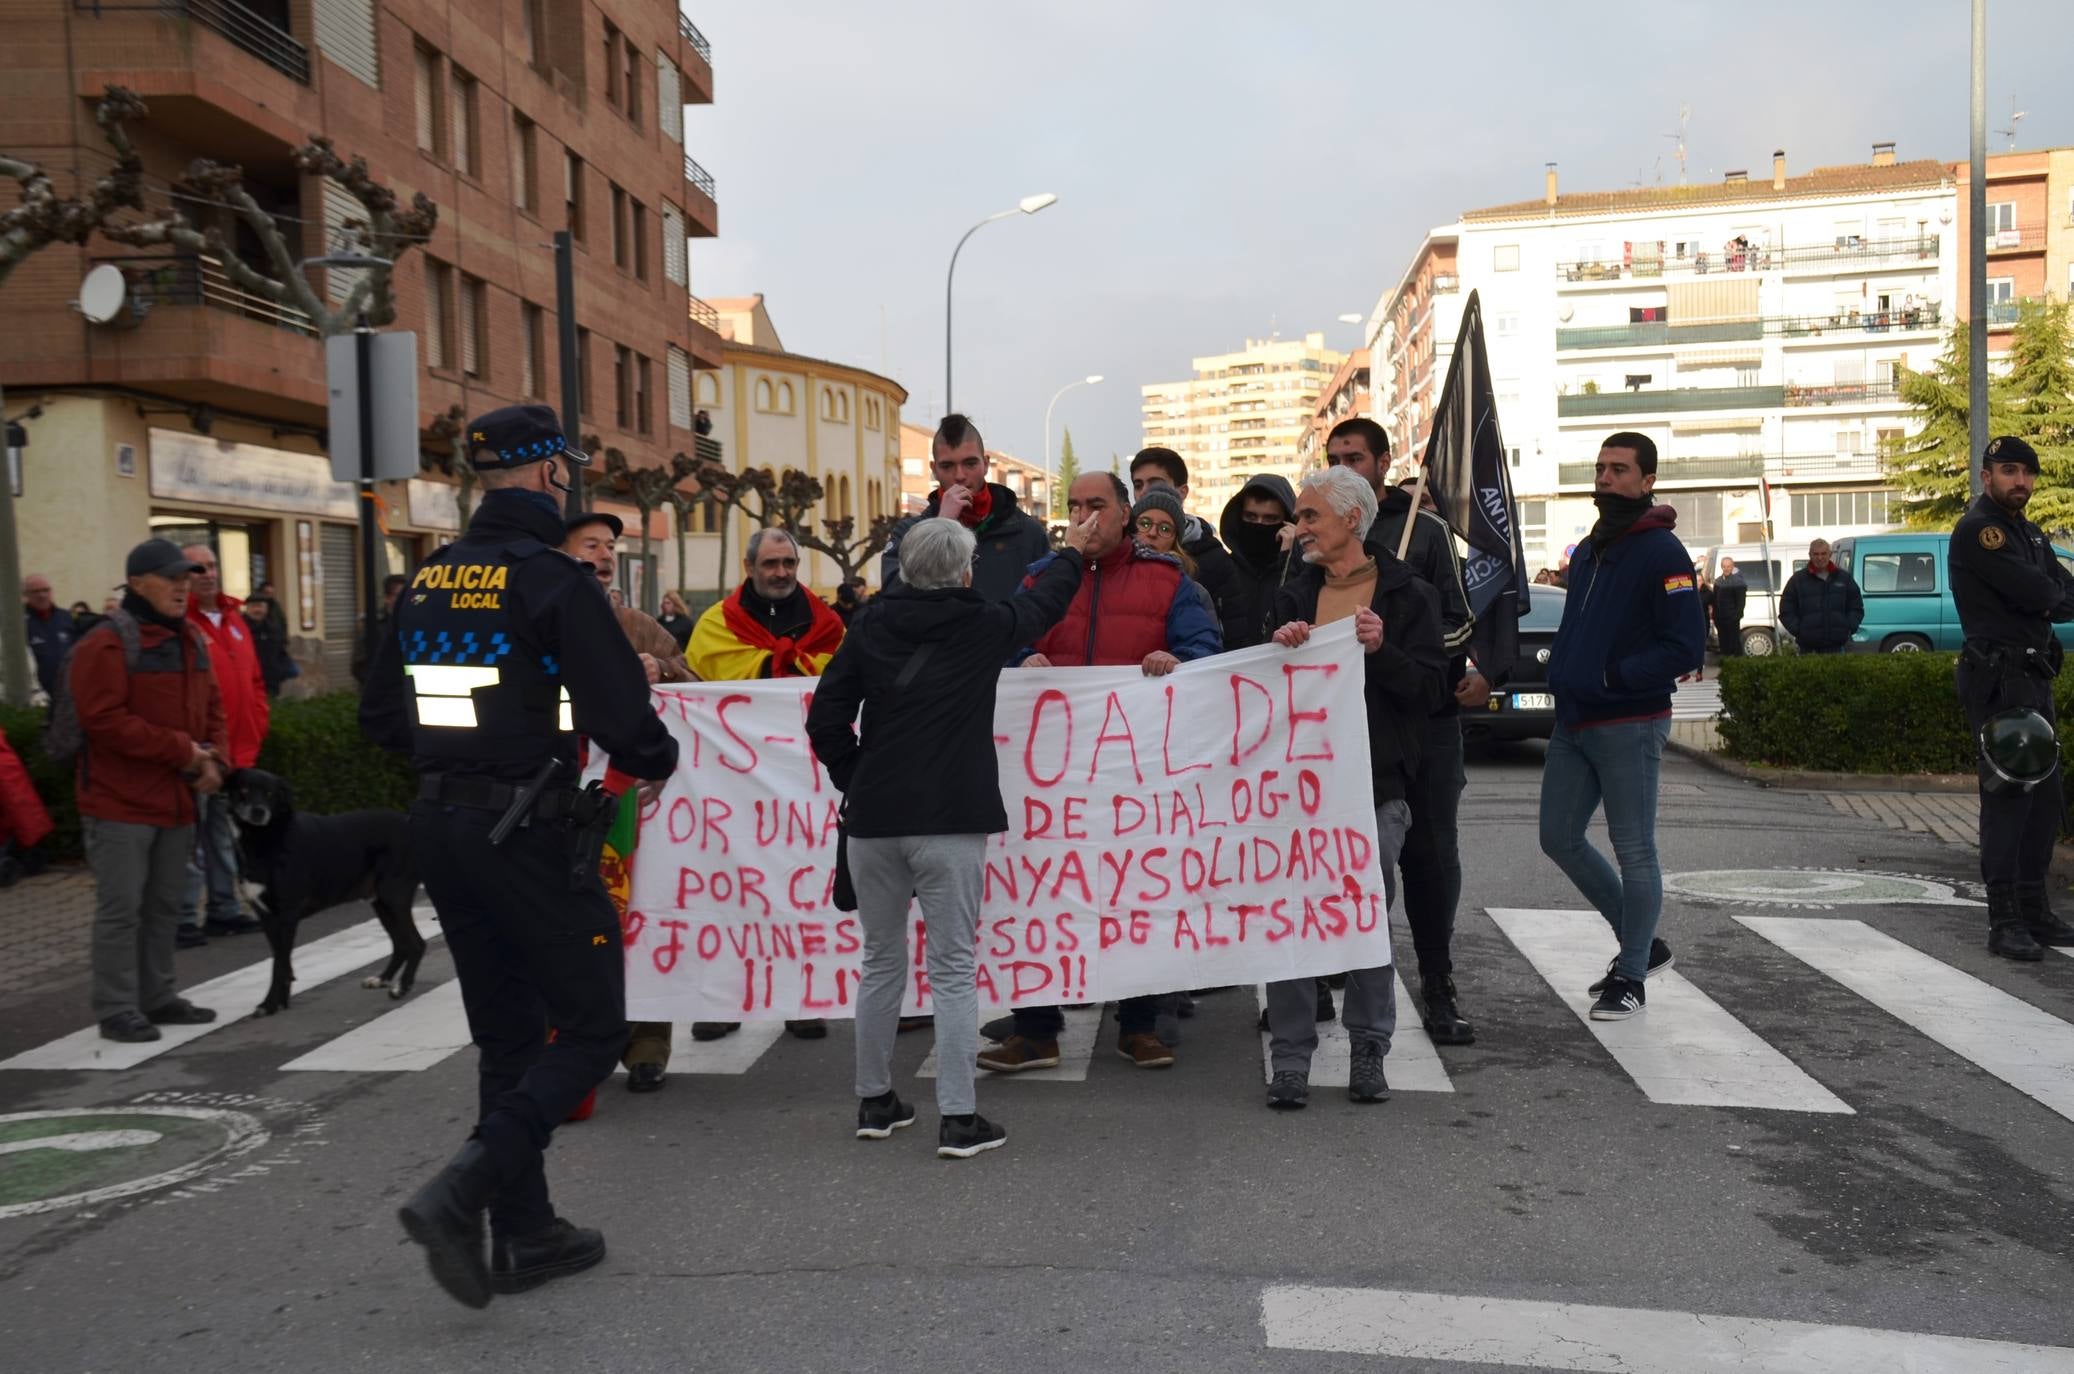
1242	414
771	408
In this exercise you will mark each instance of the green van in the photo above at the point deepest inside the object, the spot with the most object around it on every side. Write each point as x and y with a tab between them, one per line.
1908	595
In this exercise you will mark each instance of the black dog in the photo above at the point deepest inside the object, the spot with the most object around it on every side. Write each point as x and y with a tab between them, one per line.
304	864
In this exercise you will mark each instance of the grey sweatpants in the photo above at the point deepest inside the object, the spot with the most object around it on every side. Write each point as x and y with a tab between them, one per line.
140	876
1370	1012
945	871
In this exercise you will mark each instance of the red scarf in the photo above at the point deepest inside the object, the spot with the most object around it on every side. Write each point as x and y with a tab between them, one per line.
824	634
977	508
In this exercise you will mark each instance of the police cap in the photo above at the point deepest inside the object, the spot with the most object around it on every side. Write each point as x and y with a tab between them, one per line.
2009	449
513	436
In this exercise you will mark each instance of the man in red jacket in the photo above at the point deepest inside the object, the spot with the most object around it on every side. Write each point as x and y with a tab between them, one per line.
235	657
1136	608
153	740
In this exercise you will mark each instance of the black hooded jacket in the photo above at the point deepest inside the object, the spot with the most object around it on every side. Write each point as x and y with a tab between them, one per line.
925	764
1010	540
1259	565
1432	556
1407	676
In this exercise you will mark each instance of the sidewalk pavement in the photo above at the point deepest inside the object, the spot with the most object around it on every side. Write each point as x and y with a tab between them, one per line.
44	925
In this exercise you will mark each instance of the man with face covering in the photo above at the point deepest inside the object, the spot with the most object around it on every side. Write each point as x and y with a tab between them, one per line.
1259	528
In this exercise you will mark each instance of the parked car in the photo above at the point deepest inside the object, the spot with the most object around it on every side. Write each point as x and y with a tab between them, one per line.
1908	596
1523	708
1765	569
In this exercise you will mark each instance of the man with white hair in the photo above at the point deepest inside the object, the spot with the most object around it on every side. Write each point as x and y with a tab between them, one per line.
1350	574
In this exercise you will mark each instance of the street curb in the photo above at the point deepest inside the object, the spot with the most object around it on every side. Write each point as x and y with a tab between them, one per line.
1796	779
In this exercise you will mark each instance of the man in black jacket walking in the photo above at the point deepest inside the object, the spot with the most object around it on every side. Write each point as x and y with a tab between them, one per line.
1821	606
1348	575
1009	539
1731	594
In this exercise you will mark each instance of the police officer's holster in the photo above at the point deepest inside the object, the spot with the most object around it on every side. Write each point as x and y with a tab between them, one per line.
2017	830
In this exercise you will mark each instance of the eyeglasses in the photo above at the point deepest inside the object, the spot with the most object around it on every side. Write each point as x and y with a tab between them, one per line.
1147	525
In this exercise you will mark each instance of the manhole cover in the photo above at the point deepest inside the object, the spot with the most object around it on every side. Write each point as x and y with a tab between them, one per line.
1815	887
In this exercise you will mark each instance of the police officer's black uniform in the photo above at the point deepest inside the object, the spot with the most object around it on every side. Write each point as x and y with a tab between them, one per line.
2009	588
502	648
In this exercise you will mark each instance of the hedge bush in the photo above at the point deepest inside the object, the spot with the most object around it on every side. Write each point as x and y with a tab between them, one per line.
314	743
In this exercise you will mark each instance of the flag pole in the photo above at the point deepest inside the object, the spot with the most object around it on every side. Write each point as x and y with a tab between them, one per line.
1418	494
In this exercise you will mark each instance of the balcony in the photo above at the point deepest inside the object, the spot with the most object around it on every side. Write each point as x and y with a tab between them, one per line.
1746	466
1857	255
1825	467
697	62
1657	332
2028	238
201	280
701	206
1910	319
1841	394
261	37
1809	260
1669	400
705	343
1446	284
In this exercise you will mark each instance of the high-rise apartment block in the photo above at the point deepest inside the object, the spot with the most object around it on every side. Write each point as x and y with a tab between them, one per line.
1242	413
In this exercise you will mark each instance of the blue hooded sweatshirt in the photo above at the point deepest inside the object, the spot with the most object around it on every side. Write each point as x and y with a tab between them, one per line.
1633	624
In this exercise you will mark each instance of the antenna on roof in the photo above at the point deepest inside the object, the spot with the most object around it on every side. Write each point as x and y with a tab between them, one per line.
2016	117
1684	117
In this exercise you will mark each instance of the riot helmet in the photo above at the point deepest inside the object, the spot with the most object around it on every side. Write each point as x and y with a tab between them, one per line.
2018	750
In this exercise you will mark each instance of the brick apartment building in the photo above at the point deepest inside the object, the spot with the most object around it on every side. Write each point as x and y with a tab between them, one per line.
199	410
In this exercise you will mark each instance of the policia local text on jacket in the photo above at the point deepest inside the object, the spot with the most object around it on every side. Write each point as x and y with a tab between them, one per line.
503	649
2009	589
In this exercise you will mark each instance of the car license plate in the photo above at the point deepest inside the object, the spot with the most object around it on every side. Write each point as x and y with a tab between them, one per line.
1533	701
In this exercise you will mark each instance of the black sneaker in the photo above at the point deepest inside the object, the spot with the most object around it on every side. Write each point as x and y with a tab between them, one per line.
962	1138
878	1118
1659	960
1365	1080
1621	998
998	1029
521	1262
189	937
130	1028
240	924
1289	1090
180	1012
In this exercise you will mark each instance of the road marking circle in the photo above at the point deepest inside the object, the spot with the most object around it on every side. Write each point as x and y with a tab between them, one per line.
1815	887
81	1156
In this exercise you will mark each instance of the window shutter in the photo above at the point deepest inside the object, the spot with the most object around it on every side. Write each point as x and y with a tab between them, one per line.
673	245
435	315
345	34
529	351
462	134
426	66
339	206
669	104
470	326
680	387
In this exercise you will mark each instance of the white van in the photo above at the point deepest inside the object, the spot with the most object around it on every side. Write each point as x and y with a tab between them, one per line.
1764	576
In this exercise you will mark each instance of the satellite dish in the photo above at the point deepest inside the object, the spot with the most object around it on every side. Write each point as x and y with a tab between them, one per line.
102	293
1566	312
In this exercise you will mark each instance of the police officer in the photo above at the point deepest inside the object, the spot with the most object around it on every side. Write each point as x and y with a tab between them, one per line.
2010	588
503	648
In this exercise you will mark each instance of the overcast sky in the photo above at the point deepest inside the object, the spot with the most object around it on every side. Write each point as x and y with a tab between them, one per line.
1229	170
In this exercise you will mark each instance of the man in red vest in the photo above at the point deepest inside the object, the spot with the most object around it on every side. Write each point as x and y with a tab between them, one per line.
246	712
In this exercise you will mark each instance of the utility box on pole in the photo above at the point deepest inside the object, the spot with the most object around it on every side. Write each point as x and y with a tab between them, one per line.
393	369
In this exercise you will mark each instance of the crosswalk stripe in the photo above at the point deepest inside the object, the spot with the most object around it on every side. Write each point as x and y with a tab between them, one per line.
1439	1327
1076	1049
1684	1049
2029	1049
733	1053
1413	1065
428	1028
232	997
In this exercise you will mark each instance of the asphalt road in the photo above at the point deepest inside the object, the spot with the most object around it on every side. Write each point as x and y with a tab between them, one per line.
1148	1221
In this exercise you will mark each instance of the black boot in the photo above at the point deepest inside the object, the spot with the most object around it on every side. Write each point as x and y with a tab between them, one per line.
446	1217
1443	1021
2033	900
521	1262
2006	933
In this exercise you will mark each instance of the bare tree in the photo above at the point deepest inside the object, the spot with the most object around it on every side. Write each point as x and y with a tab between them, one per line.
785	501
446	428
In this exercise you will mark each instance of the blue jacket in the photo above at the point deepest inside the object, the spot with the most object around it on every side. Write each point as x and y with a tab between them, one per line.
1633	624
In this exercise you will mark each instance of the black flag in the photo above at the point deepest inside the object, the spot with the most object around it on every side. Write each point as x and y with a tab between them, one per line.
1471	487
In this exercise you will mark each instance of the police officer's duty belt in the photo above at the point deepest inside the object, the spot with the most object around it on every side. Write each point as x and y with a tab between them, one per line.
554	804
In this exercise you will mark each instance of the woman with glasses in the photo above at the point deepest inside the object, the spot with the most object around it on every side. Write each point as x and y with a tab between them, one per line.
1156	523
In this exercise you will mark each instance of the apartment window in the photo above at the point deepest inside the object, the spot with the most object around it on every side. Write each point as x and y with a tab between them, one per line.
707	388
583	373
675	268
525	163
532	348
529	31
462	101
644	393
619	227
572	195
2001	218
439	334
669	100
623	386
612	69
1827	510
677	366
1505	258
431	131
639	235
1505	326
631	57
1849	442
472	327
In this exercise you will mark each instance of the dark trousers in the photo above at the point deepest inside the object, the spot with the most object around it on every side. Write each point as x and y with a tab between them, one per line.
2017	830
1432	860
1139	1015
1731	635
530	954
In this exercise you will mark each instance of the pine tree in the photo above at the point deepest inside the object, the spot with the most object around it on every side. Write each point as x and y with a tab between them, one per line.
2038	395
1932	467
1069	468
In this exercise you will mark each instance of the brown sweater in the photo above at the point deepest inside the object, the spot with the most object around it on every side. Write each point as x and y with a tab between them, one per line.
1342	596
649	637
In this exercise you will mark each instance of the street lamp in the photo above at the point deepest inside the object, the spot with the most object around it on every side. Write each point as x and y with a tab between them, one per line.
1051	477
1028	205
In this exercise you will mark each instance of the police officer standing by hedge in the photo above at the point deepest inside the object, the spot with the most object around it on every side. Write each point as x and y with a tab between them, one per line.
503	648
2009	588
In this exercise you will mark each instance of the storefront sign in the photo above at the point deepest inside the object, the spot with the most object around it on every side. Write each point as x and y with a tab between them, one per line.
194	467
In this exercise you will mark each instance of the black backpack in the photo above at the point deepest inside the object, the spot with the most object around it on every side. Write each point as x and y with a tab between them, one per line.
62	737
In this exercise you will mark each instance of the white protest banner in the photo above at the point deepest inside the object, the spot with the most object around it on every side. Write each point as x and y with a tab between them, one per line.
1211	827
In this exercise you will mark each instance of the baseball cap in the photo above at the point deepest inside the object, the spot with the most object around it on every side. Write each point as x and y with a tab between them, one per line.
513	436
594	517
160	556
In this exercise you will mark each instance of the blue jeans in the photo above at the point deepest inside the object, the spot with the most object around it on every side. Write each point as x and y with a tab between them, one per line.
1617	765
214	863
